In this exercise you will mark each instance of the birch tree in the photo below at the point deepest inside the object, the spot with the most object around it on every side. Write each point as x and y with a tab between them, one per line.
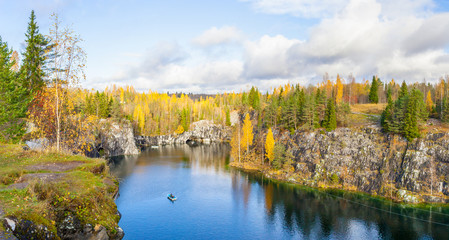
66	70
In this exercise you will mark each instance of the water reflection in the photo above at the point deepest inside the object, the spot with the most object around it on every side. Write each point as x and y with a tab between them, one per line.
232	204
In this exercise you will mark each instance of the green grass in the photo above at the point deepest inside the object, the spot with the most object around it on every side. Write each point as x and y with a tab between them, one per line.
86	190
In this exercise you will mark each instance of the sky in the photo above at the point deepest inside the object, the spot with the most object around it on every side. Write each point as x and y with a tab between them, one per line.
230	45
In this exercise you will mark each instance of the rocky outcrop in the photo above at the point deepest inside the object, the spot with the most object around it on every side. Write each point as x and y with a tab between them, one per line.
367	160
69	227
203	132
116	139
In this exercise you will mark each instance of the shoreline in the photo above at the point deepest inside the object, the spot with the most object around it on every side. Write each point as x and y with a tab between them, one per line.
50	195
274	175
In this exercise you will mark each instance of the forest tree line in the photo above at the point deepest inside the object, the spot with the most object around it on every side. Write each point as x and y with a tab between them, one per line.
41	87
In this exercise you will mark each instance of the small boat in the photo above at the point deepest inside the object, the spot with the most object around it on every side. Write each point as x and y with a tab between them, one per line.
171	197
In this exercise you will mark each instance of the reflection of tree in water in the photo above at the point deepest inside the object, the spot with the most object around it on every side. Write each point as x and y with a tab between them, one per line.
122	166
214	156
306	211
303	211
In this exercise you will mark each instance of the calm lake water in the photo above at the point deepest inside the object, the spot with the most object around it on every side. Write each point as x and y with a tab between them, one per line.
218	202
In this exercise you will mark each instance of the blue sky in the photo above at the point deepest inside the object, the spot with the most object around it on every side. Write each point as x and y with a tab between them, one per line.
215	46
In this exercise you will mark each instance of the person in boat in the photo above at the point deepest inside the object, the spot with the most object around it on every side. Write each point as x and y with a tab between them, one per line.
171	195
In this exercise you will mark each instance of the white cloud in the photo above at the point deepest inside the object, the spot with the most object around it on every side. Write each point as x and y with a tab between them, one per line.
217	36
358	39
364	37
268	57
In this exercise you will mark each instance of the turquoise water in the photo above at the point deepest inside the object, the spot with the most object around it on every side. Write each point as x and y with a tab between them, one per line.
218	202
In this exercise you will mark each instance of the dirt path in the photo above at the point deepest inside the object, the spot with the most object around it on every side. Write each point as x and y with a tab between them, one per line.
55	167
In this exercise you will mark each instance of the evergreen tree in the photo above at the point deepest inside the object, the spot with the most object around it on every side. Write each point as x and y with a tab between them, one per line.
343	111
253	98
34	57
308	116
403	91
330	119
244	99
387	114
320	106
406	114
116	110
228	118
389	94
272	112
13	98
410	124
278	156
445	111
373	93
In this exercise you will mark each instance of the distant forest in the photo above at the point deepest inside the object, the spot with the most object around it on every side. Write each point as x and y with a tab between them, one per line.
40	93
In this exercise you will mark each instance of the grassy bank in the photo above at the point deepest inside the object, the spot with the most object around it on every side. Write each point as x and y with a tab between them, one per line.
45	186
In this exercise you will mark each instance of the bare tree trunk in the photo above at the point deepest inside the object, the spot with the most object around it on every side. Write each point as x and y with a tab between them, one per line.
58	117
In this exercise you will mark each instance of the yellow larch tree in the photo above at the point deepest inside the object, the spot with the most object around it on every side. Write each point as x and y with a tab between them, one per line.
269	145
339	89
429	102
248	136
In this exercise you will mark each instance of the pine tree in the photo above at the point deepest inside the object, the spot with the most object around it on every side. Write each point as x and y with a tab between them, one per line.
34	57
330	119
373	93
269	145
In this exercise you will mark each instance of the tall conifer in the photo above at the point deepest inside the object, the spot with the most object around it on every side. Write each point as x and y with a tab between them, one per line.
34	57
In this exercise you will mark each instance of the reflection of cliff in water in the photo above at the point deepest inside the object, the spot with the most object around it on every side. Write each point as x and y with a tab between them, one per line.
302	211
322	215
213	157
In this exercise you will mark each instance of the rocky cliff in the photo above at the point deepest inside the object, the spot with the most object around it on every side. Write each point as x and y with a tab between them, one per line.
115	139
367	160
203	132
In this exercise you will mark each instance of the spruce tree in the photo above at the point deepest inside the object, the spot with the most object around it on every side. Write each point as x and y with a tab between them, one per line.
410	124
373	95
403	91
34	57
330	119
13	98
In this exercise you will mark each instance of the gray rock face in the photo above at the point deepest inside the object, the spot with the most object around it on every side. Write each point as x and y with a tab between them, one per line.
117	139
26	229
204	132
68	227
370	161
